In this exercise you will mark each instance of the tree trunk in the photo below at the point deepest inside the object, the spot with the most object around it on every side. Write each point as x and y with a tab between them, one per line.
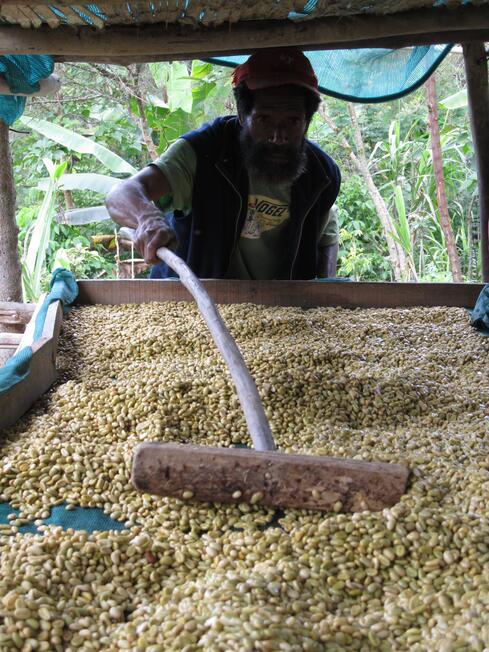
398	263
134	88
68	195
143	123
145	130
478	95
445	223
10	271
398	257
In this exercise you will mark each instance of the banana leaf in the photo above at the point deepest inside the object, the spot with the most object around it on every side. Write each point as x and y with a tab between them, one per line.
90	215
81	144
101	183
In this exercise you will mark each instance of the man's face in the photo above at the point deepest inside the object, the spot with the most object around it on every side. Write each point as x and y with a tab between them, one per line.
272	135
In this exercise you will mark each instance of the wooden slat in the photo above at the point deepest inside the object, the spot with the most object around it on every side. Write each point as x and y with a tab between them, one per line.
388	42
14	14
9	340
307	294
28	336
432	25
47	16
31	16
42	374
15	313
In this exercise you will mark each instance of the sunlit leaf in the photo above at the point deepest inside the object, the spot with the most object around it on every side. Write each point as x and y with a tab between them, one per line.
159	72
456	101
72	140
37	241
157	101
86	215
84	181
179	88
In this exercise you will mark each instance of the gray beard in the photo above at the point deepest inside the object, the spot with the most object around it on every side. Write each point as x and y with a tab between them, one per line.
256	157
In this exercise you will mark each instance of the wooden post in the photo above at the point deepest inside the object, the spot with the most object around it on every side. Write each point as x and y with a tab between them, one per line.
478	95
10	275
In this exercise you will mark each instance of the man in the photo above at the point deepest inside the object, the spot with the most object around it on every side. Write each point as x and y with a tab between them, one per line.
250	195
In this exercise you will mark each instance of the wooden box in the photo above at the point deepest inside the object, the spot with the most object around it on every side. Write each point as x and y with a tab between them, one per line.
306	294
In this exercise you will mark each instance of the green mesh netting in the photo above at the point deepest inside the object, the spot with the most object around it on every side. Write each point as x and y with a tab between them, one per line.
22	73
368	75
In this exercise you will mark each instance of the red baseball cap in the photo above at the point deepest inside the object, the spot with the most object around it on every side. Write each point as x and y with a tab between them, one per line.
276	67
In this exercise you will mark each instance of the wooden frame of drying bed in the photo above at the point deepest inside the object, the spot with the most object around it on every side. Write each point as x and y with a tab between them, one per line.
306	294
15	402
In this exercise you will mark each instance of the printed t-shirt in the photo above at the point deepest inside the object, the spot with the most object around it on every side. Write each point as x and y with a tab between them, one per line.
260	252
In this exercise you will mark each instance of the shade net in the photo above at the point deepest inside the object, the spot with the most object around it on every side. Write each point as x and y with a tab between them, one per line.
368	75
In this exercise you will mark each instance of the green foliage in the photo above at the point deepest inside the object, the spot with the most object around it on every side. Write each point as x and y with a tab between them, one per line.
96	128
100	132
362	250
37	239
404	174
68	245
184	99
100	183
83	262
175	78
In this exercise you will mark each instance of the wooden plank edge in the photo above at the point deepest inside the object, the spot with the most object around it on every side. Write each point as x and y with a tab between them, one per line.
42	374
9	340
392	42
42	369
15	313
27	338
433	25
305	294
51	327
475	59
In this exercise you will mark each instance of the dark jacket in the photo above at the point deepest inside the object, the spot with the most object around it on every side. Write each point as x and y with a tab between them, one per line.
208	236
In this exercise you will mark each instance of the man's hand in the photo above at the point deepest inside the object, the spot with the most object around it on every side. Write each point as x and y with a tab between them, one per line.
152	233
130	203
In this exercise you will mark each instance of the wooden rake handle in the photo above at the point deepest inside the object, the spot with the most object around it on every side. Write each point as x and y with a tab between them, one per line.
249	398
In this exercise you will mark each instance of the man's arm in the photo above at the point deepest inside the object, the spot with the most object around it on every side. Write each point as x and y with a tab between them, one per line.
327	261
130	203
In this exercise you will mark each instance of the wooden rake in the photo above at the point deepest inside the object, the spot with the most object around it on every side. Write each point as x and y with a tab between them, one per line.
262	475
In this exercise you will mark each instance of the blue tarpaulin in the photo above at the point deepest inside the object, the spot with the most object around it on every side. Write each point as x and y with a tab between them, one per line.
480	314
91	519
22	73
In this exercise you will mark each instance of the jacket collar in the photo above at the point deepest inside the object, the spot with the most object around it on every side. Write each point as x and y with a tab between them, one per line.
229	159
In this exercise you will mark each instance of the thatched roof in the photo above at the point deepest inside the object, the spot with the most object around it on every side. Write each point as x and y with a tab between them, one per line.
164	28
200	13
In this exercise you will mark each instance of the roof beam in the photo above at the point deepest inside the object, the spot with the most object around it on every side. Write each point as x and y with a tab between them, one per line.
393	42
155	41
